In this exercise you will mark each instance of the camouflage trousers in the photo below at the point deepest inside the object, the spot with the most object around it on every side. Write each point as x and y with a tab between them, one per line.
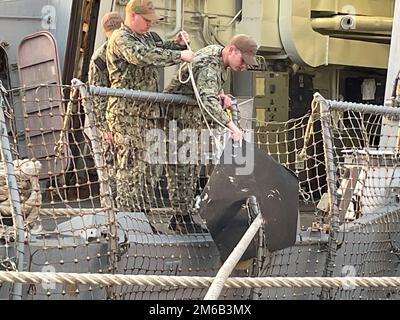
99	110
106	147
182	186
108	152
136	178
183	177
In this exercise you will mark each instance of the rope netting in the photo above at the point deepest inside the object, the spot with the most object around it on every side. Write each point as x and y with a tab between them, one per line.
129	205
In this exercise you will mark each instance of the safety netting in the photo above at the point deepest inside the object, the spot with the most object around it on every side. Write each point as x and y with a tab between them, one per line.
84	194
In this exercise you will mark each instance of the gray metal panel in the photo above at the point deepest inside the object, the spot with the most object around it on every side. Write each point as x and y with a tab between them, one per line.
62	18
90	258
20	18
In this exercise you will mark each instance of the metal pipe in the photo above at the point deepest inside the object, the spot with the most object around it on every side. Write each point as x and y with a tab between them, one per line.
178	22
234	18
216	287
142	95
325	107
363	108
353	23
15	201
223	26
105	189
331	182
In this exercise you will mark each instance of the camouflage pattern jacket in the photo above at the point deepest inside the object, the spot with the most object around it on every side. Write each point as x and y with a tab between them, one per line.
210	74
132	62
133	59
98	76
98	73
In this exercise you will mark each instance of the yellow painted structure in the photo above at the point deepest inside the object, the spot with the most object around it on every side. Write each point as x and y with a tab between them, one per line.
308	33
301	29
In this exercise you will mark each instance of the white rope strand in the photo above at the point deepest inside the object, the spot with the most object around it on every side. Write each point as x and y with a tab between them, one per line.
197	282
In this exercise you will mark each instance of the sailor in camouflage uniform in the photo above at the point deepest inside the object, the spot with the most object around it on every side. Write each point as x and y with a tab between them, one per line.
98	73
133	58
210	68
98	76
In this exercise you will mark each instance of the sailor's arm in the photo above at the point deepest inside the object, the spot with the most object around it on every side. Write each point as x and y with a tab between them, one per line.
178	44
136	53
209	89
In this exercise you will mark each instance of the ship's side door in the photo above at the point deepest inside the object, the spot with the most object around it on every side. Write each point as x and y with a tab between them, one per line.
42	103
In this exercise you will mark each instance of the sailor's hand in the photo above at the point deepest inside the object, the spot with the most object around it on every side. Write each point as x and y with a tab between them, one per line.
226	101
187	55
236	133
182	38
108	137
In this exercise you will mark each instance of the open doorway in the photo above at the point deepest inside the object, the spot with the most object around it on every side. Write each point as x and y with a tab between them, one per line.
4	71
5	81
